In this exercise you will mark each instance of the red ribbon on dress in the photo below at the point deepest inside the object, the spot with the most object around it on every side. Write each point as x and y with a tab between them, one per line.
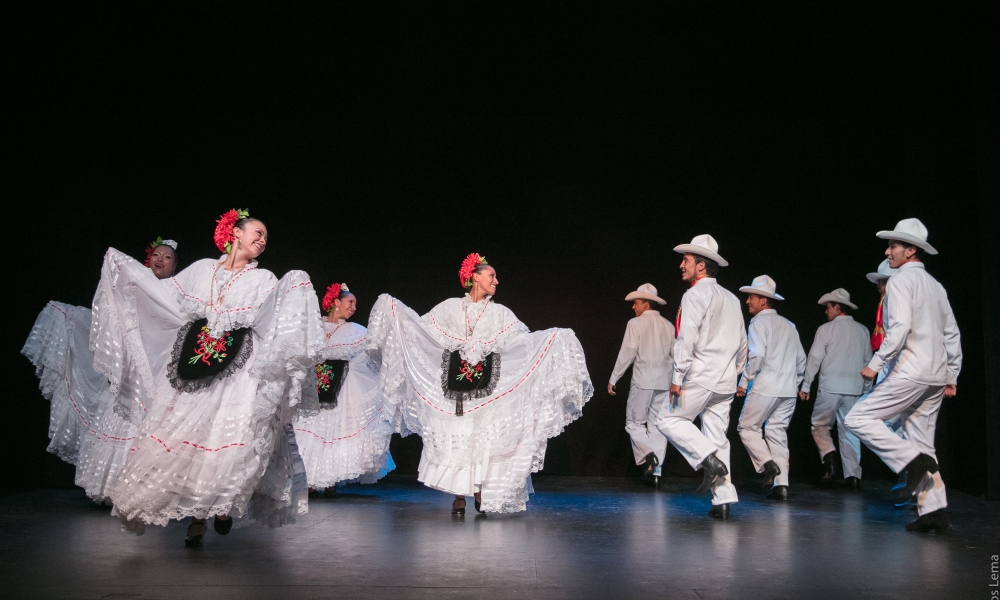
879	334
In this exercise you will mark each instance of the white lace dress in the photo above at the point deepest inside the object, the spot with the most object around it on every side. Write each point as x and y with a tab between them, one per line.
348	439
528	387
216	444
58	347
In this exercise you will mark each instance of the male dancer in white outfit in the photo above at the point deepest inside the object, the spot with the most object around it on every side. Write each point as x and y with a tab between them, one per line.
839	351
709	354
649	347
775	366
922	336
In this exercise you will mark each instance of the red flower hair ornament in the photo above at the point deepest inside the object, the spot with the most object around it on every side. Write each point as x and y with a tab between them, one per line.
224	237
158	242
469	267
332	293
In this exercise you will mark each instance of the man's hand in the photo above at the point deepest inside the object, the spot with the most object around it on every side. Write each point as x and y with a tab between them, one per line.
950	390
803	395
868	375
611	389
740	392
675	390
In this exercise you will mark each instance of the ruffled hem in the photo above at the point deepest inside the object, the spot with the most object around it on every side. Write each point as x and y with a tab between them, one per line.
494	442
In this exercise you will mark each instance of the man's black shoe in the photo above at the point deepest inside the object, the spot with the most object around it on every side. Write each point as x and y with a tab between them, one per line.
853	484
651	463
830	462
715	473
720	511
779	492
900	483
920	467
771	470
932	521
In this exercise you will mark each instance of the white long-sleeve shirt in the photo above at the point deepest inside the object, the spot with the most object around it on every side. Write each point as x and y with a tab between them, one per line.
841	348
649	345
776	362
711	345
920	330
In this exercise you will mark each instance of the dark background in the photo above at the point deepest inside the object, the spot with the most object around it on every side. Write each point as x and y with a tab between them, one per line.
573	145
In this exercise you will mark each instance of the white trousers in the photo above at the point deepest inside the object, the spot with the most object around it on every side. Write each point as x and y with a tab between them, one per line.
830	408
763	428
675	421
917	406
640	423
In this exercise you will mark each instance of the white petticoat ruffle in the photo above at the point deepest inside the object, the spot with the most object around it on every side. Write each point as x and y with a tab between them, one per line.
499	440
224	449
348	443
58	347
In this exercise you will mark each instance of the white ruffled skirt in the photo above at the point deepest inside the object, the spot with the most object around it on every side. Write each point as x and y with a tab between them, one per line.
349	443
225	449
58	347
499	440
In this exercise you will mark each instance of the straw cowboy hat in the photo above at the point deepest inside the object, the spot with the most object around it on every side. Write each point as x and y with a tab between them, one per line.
840	296
762	286
883	272
646	291
703	245
911	231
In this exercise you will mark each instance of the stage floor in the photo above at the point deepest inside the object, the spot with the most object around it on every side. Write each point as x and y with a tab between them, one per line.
580	538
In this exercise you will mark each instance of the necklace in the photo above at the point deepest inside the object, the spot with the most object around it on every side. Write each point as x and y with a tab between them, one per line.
469	330
222	294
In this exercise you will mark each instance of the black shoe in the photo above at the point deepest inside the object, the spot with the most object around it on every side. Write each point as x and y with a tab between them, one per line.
651	463
457	510
853	484
715	473
920	467
313	493
900	483
771	470
222	527
195	534
932	521
656	482
478	504
908	504
720	511
779	492
830	464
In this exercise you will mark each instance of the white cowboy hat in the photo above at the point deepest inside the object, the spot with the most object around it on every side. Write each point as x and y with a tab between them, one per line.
762	286
883	272
646	291
911	231
839	295
703	245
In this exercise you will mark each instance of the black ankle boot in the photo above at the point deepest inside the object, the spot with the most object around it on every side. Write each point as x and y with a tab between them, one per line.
830	464
651	463
779	492
932	521
900	482
771	470
853	484
715	473
719	511
920	467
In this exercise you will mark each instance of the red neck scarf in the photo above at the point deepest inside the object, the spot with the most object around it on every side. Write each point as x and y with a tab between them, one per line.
879	334
677	321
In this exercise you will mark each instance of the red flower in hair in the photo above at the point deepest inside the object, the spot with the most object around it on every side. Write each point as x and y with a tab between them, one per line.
224	237
469	267
331	294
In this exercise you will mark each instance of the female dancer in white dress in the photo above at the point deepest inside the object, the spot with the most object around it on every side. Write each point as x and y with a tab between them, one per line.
482	391
219	357
348	439
81	430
